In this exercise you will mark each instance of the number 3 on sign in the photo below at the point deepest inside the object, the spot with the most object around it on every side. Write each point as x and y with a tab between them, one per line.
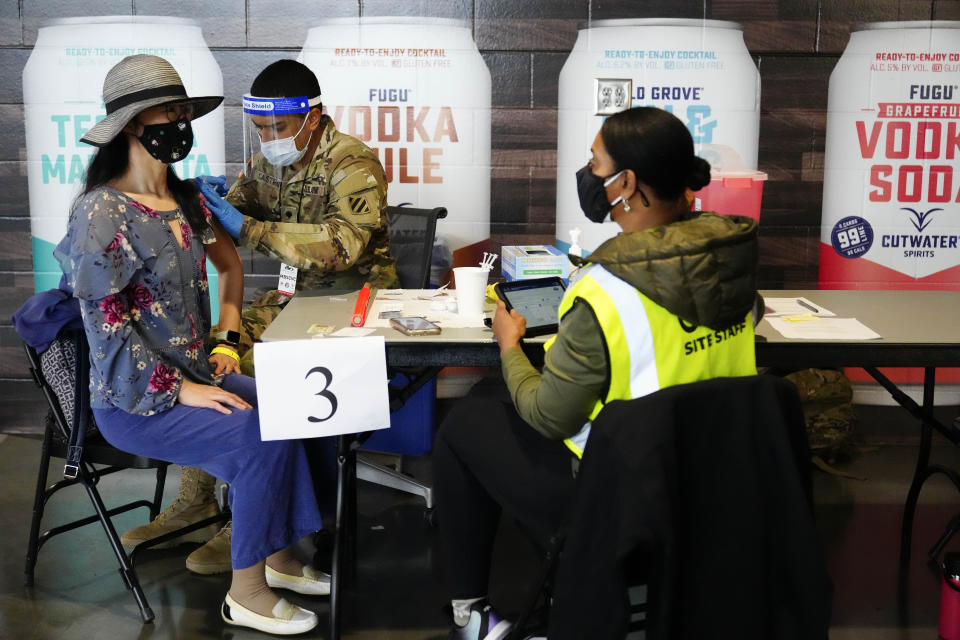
324	393
315	388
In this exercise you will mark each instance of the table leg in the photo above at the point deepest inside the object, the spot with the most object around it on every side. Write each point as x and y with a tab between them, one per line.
345	454
344	565
920	474
349	539
952	527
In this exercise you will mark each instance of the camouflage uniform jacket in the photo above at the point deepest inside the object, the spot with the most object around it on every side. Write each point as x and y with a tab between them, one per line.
328	219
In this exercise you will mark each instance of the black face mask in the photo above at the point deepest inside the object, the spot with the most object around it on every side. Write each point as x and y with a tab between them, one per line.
168	142
593	194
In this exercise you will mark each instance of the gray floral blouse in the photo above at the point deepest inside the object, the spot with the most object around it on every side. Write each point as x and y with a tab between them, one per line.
143	297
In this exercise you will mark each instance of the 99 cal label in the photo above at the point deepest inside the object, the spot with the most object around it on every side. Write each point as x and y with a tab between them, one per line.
851	237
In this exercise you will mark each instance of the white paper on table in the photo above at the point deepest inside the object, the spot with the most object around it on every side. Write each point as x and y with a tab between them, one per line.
391	306
314	388
351	332
794	307
814	328
417	303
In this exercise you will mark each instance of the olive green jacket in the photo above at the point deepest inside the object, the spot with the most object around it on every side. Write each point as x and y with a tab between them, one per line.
329	219
701	268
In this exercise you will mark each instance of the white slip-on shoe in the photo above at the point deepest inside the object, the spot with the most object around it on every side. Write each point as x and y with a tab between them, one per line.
313	582
288	619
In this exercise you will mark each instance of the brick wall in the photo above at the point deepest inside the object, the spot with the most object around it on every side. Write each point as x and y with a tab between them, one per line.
795	44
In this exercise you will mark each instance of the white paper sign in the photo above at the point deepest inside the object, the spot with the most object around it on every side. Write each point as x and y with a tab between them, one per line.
814	328
314	388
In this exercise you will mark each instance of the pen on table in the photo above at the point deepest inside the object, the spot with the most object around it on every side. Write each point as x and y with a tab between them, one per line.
360	309
808	306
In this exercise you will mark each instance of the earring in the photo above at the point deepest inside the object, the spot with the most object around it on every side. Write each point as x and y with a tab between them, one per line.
626	205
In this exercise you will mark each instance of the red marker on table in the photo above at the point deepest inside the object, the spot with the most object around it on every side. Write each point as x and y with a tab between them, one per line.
360	309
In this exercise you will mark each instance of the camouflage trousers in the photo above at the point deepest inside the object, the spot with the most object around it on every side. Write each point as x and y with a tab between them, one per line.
254	320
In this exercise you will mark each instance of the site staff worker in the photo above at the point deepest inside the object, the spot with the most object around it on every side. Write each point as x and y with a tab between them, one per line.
668	301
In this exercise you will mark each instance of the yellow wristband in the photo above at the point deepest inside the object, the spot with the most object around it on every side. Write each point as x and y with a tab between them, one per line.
227	352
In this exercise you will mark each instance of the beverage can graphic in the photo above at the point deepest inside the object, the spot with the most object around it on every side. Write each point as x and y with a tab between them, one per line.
62	84
891	189
417	91
699	70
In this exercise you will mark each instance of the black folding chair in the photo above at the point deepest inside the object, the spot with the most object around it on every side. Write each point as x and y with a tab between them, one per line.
411	242
656	472
63	372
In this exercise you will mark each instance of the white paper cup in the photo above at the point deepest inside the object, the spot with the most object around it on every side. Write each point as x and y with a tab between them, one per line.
471	288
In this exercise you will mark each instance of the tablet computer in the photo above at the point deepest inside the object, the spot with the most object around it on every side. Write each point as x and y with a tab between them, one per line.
536	300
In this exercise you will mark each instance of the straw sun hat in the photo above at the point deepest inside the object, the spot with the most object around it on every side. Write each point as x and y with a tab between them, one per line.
137	83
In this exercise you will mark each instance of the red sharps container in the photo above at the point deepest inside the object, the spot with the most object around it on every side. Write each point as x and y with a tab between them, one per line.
950	598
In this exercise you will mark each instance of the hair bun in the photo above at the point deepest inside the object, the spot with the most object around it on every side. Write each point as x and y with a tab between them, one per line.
699	175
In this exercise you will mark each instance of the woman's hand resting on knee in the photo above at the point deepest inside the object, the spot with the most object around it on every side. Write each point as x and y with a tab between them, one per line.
210	397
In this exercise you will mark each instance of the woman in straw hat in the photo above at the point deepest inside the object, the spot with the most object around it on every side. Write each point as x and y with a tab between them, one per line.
135	255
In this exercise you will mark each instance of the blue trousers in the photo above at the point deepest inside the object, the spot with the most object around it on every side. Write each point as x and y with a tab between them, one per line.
271	489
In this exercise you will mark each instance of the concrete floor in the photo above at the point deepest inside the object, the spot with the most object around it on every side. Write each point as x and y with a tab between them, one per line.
399	593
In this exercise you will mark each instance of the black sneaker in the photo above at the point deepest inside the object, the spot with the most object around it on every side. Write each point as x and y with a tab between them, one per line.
484	624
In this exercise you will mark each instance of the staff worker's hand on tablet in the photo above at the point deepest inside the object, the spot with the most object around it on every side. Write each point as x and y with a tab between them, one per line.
508	326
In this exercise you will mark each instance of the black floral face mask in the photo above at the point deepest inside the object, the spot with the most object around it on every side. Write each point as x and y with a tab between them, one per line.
168	142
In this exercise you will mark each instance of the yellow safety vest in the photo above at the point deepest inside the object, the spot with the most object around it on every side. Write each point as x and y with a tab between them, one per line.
650	348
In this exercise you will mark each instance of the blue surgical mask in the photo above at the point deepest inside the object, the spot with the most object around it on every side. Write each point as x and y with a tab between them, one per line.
283	151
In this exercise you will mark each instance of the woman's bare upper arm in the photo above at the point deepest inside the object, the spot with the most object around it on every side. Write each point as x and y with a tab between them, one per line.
223	253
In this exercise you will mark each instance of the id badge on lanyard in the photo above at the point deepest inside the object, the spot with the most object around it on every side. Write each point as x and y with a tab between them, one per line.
288	280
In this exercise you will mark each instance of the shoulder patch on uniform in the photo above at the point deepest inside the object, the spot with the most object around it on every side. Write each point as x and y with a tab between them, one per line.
358	205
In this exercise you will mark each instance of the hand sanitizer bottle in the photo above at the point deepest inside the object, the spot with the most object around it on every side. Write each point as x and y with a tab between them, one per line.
575	250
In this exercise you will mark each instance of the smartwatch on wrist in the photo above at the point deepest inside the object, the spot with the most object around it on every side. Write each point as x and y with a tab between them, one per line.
231	338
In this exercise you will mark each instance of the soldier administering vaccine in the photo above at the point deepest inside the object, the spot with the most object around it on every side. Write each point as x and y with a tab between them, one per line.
313	199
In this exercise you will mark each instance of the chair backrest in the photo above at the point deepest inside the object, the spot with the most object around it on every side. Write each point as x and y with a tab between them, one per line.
705	487
62	372
411	242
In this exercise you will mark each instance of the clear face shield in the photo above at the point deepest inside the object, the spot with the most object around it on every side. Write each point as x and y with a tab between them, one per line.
272	129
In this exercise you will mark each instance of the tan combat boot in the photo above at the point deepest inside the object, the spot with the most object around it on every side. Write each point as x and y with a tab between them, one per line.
194	502
213	557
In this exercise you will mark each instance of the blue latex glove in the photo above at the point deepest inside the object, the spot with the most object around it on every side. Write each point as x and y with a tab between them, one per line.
217	182
226	213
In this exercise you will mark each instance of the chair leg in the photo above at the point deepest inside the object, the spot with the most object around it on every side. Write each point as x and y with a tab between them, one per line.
127	572
39	502
539	587
383	476
158	491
